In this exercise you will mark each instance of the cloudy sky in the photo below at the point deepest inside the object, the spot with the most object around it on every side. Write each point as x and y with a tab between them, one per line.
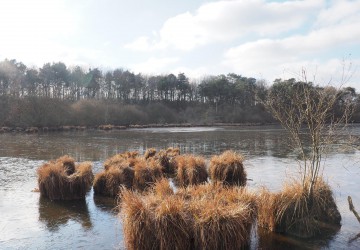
255	38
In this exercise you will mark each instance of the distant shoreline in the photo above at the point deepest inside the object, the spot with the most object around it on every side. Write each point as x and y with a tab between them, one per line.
110	127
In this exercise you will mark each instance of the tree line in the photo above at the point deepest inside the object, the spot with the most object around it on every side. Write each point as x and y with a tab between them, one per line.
56	95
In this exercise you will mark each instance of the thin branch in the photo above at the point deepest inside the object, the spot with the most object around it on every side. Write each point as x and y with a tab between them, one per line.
352	209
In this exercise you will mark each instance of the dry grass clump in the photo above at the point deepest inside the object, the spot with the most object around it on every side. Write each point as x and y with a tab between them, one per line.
165	158
294	212
56	183
145	174
108	182
118	171
197	217
190	170
228	169
150	152
138	221
129	170
121	160
68	163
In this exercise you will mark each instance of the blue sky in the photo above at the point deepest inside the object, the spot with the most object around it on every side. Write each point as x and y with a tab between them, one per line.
254	38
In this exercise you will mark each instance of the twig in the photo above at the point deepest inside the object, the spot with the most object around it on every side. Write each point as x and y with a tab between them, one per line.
352	209
355	238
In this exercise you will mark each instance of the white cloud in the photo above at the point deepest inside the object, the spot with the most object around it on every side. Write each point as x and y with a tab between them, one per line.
154	65
270	57
226	20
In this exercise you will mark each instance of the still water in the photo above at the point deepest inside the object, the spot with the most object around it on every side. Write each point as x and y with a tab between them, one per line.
28	222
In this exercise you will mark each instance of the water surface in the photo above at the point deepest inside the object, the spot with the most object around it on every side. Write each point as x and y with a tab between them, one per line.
30	222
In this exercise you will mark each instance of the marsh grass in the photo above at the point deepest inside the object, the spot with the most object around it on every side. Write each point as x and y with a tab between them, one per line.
145	175
56	183
190	170
197	217
294	212
228	169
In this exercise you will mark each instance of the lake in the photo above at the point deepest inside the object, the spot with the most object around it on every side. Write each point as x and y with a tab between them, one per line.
28	222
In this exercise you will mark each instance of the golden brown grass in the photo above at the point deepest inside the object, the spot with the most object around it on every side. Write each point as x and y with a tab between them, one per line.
121	160
150	152
197	217
294	212
228	169
145	175
108	182
68	164
190	170
56	184
129	170
138	221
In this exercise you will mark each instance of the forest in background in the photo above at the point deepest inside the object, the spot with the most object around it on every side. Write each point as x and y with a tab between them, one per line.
58	95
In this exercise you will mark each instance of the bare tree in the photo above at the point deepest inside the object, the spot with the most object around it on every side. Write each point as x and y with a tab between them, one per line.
308	113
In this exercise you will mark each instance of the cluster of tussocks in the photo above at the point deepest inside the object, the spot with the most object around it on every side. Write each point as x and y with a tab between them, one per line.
196	217
62	179
139	172
294	212
133	171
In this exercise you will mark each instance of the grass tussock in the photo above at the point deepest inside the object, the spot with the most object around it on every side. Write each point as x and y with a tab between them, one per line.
68	164
108	182
56	183
150	152
138	220
190	170
118	171
197	217
129	170
145	175
228	169
294	212
121	160
165	158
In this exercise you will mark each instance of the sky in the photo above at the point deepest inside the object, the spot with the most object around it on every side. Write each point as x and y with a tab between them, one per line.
264	39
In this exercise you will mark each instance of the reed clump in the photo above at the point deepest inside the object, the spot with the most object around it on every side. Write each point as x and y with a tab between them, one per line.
165	158
57	182
197	217
190	170
293	211
118	171
128	169
108	182
145	175
150	152
228	169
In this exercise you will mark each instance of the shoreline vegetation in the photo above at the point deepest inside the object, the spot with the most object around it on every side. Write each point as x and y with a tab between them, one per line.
109	127
57	96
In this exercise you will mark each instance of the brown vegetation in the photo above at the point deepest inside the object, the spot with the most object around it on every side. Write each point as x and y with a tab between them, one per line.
198	217
228	169
108	182
145	174
127	169
294	212
57	181
190	170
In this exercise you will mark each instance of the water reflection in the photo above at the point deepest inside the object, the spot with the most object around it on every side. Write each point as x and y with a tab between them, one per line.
268	240
106	204
55	214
